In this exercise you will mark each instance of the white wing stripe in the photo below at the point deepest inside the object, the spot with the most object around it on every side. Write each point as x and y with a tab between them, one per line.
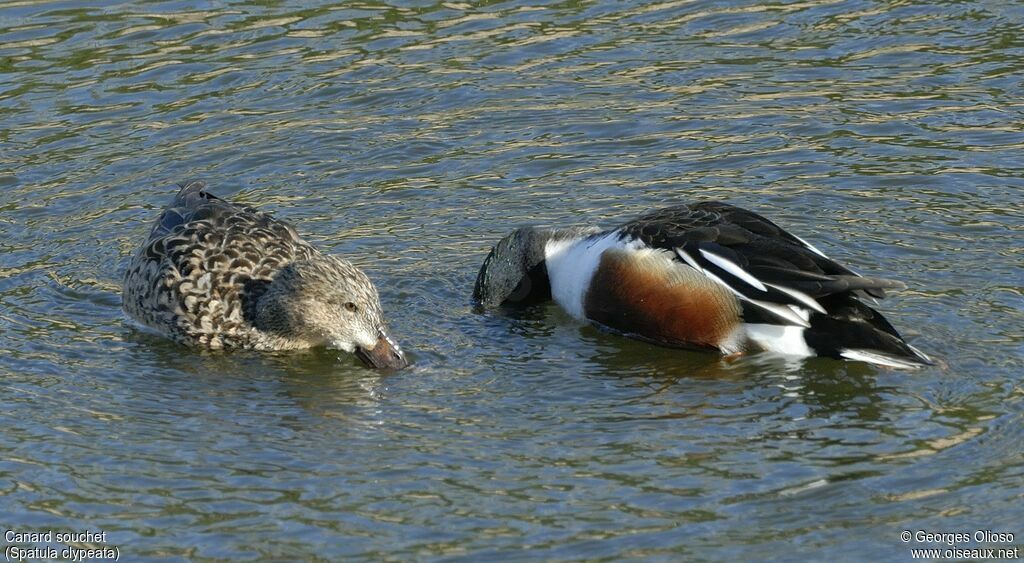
689	260
810	247
919	353
879	358
732	268
778	310
719	281
801	312
783	311
801	297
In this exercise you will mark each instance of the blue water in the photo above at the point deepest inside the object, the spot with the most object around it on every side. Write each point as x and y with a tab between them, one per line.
409	137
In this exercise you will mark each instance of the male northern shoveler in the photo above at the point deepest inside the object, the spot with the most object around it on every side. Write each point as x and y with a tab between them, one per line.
218	275
707	275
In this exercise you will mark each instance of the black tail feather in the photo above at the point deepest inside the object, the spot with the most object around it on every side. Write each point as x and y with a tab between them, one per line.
852	326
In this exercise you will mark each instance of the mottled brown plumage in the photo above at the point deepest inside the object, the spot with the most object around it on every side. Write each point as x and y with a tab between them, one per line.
219	275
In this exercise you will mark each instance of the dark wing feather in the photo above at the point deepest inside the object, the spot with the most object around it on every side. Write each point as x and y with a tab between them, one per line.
193	203
713	234
191	198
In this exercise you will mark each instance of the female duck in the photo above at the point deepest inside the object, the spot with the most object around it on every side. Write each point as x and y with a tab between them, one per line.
218	275
708	275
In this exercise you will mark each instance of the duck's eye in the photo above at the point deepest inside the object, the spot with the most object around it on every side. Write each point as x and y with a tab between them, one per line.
351	307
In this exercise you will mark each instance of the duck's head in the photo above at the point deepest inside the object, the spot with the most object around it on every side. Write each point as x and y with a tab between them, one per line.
326	301
515	272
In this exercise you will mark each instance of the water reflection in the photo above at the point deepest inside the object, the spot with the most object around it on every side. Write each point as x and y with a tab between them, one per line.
409	138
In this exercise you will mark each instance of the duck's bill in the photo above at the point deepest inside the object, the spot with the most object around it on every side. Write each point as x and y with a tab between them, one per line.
385	354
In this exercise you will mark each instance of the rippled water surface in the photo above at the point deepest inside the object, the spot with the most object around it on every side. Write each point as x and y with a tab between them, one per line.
408	137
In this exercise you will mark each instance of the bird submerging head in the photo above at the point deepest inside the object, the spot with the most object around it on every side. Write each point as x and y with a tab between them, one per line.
218	275
707	275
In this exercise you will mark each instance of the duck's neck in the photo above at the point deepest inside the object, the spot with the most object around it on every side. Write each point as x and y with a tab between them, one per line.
277	314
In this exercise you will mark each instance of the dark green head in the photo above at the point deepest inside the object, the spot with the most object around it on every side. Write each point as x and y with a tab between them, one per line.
514	270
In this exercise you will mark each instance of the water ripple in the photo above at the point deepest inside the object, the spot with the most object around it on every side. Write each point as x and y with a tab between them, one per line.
408	137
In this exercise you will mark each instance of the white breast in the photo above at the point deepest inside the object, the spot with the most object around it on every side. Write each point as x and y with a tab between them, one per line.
571	265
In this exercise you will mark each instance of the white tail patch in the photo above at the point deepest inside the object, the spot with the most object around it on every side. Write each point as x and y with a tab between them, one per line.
801	297
782	311
733	268
788	340
810	247
878	358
